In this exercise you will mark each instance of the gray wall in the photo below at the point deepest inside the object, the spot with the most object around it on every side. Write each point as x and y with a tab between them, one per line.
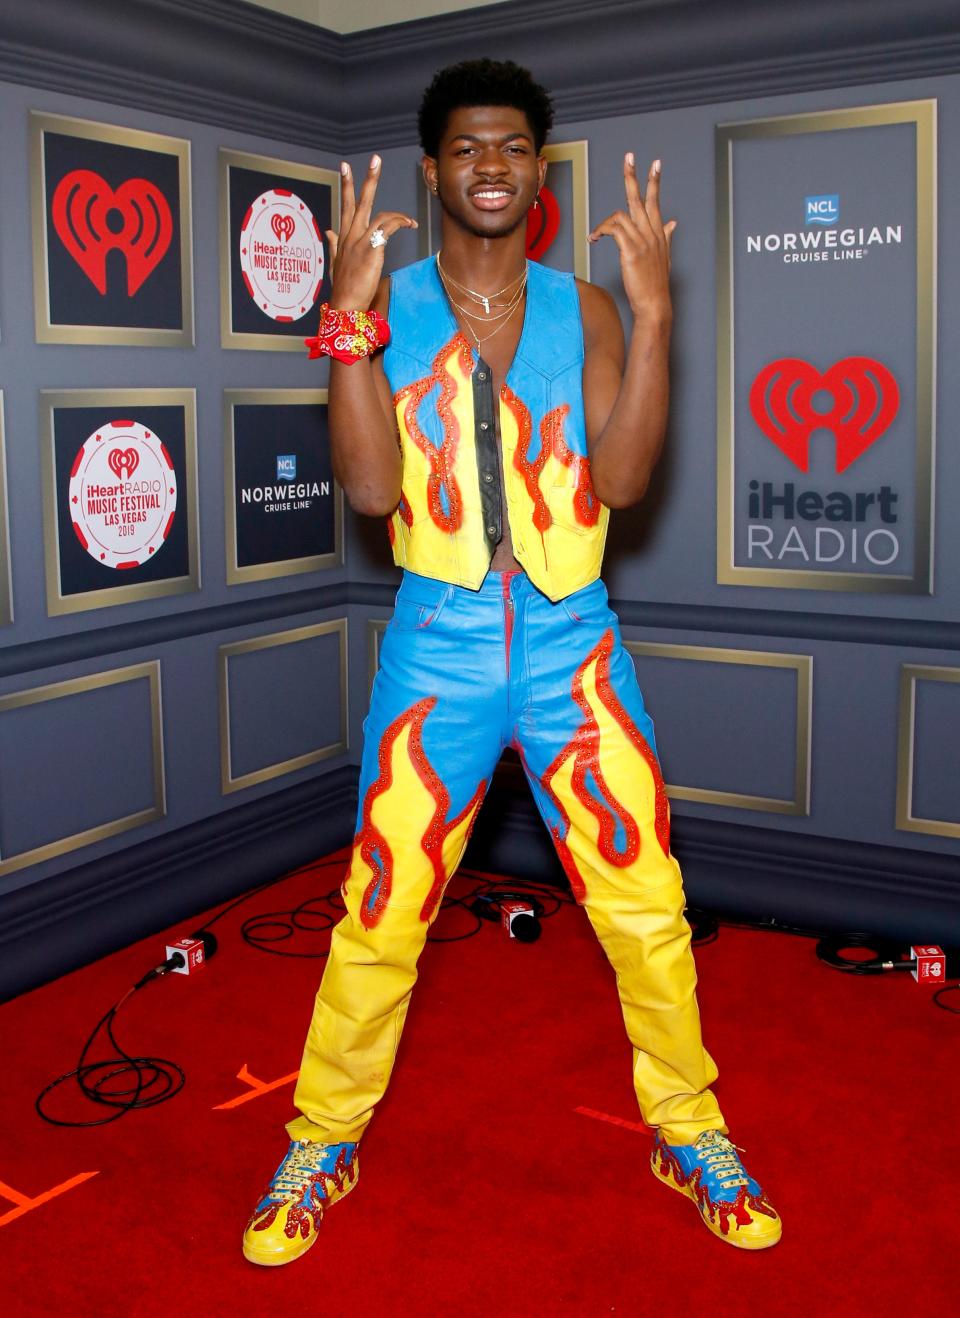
655	79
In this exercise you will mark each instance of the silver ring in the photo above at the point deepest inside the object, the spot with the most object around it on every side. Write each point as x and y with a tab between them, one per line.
378	238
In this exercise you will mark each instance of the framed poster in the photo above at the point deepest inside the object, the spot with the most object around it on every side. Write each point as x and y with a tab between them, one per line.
6	586
284	511
825	349
119	496
111	234
274	260
557	226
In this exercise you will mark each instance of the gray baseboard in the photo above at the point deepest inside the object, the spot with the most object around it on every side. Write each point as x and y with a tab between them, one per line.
759	875
755	874
50	928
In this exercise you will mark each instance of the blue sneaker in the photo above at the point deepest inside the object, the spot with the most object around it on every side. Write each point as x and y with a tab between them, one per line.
286	1220
710	1172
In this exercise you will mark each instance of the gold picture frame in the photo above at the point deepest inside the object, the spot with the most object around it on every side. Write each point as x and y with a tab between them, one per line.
113	402
262	339
922	115
237	574
49	330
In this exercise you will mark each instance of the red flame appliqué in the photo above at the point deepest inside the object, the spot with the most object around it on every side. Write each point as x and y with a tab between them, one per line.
374	847
588	782
726	1213
443	493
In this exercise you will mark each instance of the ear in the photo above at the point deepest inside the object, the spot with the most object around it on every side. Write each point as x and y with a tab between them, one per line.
541	170
429	166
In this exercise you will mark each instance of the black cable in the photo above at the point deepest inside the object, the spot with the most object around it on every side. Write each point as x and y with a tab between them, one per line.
941	993
154	1079
885	956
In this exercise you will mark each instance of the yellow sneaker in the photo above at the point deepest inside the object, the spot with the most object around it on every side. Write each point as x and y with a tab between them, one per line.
286	1220
710	1172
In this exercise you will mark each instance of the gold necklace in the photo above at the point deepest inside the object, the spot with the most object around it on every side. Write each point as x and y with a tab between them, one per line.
483	299
503	317
469	312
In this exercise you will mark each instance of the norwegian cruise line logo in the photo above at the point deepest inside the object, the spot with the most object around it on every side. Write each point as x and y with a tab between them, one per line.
822	210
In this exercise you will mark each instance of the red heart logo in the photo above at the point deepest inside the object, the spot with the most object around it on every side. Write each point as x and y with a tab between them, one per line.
283	226
543	224
123	459
863	401
81	204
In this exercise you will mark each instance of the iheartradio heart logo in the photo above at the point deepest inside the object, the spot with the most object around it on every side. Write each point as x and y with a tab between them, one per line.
92	220
543	225
283	226
859	396
121	460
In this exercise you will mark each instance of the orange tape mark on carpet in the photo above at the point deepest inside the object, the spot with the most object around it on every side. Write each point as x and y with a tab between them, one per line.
613	1121
26	1204
257	1088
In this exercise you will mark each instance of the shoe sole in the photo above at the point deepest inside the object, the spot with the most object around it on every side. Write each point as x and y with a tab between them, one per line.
765	1243
272	1260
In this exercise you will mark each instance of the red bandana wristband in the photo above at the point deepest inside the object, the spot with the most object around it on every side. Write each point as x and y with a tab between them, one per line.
348	335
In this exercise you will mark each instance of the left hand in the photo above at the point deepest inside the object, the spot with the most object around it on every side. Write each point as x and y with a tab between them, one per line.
644	242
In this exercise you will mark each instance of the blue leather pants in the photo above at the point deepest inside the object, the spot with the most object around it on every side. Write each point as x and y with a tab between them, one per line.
462	675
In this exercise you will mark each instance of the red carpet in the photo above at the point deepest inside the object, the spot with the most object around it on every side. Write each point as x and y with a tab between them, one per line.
504	1174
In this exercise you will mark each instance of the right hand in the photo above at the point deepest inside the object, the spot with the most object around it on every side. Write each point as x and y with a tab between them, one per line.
356	267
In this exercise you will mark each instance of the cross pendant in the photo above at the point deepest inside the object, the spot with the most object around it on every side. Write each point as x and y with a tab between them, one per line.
486	305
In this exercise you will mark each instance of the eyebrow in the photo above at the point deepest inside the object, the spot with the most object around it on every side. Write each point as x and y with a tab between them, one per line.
502	141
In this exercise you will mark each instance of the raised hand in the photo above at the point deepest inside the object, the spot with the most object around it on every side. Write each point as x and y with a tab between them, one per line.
644	242
356	265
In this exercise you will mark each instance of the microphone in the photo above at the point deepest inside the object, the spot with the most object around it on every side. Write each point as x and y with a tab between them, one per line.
184	957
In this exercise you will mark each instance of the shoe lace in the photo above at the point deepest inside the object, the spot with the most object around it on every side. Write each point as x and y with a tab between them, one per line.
294	1172
720	1157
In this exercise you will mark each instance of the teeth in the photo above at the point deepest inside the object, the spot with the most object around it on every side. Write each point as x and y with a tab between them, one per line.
491	195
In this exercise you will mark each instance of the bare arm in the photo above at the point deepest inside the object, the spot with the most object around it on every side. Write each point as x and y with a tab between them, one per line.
363	428
626	395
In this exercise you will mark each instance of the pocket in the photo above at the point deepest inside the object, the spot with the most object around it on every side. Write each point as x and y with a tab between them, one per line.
589	605
572	501
419	604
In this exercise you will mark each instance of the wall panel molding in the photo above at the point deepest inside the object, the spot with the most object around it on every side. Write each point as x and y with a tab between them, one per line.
907	750
801	665
235	782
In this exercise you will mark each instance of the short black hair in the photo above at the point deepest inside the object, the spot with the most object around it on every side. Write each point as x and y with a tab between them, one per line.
482	82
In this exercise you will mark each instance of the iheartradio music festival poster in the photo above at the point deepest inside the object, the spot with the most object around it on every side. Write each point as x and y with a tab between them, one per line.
826	349
120	508
274	258
111	229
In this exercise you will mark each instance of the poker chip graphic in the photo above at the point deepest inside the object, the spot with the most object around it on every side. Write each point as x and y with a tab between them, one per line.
123	494
281	255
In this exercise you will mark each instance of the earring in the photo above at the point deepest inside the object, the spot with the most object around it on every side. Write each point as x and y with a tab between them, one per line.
536	201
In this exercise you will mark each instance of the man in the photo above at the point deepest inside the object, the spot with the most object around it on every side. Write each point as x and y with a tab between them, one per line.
496	430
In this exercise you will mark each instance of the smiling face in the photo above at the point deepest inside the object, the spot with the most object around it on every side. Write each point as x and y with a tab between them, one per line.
486	173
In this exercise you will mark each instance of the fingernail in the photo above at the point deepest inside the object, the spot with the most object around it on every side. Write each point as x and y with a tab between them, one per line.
630	160
656	166
375	162
344	169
